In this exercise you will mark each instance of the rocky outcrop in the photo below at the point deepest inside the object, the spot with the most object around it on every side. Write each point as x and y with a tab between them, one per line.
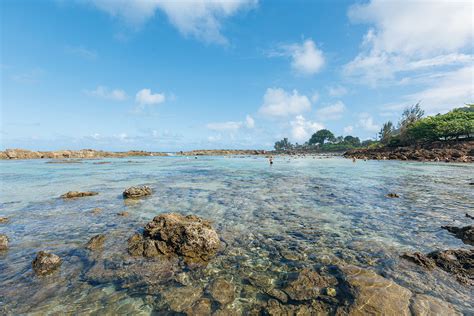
424	305
466	234
452	151
137	192
96	242
3	242
77	194
3	220
45	263
64	154
189	237
459	263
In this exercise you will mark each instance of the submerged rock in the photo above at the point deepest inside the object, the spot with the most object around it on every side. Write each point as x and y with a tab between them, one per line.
202	307
3	220
77	194
96	242
374	294
123	214
45	263
181	298
307	285
428	305
466	234
96	210
469	216
222	291
189	237
3	242
136	192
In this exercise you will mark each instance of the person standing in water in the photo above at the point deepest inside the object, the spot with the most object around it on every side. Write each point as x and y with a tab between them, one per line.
270	160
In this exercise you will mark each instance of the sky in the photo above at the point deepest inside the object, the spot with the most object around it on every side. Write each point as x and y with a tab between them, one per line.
178	75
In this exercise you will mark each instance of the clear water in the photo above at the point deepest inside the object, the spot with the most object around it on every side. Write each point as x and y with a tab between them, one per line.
273	220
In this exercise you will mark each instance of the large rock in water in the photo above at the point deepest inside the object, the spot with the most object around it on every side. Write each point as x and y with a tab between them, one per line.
136	192
3	242
77	194
190	237
425	305
466	234
45	263
374	294
307	285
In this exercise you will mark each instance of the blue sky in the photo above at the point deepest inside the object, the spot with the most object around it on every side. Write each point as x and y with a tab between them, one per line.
167	75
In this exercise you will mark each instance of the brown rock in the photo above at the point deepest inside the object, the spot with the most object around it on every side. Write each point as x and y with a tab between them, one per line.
181	298
222	291
458	262
278	294
123	214
76	194
3	242
189	237
135	245
137	192
425	305
96	210
420	259
3	220
201	308
46	263
392	195
374	294
96	242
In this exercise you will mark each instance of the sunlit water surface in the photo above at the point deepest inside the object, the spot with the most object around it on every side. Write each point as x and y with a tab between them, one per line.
272	220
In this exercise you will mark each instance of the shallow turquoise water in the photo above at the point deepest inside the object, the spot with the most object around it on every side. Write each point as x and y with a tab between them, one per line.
273	220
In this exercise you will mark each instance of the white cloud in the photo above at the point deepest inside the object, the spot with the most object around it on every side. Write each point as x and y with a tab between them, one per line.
146	97
451	90
306	58
414	27
301	129
366	122
348	129
201	19
415	35
315	97
249	121
280	103
337	91
331	112
108	94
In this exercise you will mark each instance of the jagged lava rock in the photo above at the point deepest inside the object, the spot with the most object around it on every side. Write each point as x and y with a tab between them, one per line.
46	263
466	234
136	192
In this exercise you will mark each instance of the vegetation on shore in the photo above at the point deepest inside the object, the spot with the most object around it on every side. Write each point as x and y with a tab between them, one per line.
412	129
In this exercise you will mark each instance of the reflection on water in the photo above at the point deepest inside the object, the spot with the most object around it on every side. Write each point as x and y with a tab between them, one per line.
274	220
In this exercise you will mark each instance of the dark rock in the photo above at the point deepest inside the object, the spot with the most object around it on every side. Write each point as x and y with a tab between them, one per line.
392	195
222	291
374	294
96	242
466	234
3	242
46	263
469	216
307	285
77	194
420	259
189	237
3	220
137	192
458	262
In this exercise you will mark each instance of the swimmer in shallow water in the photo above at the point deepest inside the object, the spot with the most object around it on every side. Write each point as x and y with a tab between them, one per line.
270	160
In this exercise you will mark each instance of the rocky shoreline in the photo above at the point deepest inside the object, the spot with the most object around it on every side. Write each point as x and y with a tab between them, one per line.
436	151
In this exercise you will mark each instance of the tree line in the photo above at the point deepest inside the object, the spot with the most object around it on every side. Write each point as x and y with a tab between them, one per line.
412	128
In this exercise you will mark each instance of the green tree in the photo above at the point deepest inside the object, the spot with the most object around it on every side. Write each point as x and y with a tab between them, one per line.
283	145
351	140
321	136
386	132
